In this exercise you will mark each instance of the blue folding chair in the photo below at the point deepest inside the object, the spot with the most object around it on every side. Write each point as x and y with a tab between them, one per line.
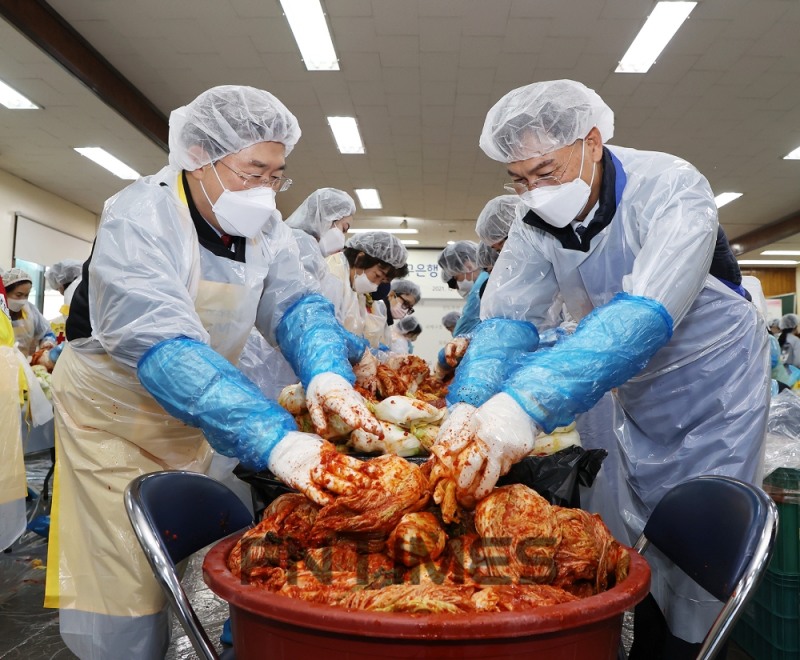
720	532
174	514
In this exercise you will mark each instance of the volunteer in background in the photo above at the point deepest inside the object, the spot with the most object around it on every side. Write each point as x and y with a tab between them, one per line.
789	341
403	296
495	220
627	238
367	261
31	329
458	264
64	277
404	332
450	320
487	257
184	264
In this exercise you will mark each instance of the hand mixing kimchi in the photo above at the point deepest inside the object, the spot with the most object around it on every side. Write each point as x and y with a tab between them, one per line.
387	549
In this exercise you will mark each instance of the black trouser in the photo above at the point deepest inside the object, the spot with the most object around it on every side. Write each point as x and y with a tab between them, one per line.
652	639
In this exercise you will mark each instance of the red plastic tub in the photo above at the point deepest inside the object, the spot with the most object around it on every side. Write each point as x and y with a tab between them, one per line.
266	625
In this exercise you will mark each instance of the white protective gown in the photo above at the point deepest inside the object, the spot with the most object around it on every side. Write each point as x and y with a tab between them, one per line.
149	280
700	406
31	329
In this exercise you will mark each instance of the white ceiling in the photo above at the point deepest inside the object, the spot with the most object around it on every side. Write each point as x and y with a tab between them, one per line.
419	75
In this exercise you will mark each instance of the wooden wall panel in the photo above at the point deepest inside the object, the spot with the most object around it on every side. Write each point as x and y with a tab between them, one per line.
774	281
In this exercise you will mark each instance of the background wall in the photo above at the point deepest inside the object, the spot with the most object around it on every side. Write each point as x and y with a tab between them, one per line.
18	196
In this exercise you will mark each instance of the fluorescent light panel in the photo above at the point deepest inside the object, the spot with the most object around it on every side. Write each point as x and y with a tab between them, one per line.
13	100
781	253
726	198
345	132
369	199
310	30
111	163
409	241
654	36
767	262
359	230
793	155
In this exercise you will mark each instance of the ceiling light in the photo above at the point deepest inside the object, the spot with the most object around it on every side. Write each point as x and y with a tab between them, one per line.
655	34
409	241
781	253
726	198
451	242
793	155
307	21
111	163
369	198
345	132
766	262
353	230
13	100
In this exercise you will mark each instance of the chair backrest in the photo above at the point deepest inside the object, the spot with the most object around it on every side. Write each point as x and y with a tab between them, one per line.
721	532
174	514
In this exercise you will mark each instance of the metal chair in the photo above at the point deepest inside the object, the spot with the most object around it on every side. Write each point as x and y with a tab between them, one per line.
174	514
721	532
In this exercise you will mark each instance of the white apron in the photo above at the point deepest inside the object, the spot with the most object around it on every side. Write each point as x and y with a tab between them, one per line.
109	430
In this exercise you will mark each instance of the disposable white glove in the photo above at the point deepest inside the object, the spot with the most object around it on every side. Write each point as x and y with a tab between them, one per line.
455	349
314	467
366	371
329	392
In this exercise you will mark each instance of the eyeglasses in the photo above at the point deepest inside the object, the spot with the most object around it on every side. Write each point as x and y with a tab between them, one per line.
521	187
409	307
277	183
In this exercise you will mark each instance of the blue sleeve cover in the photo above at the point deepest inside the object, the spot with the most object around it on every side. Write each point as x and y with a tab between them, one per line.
314	342
609	346
198	386
493	351
471	312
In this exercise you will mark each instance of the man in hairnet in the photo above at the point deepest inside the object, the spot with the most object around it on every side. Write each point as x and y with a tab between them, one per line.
495	220
626	237
184	264
63	276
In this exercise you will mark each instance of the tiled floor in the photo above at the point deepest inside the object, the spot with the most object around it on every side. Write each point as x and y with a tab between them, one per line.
30	632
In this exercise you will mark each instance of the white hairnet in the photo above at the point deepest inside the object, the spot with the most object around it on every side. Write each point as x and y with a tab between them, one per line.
450	319
788	322
460	257
63	273
404	286
380	245
539	118
15	276
487	255
224	120
408	325
775	323
494	222
320	210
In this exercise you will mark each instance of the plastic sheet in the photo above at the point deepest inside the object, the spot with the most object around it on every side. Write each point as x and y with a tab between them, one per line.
313	342
201	388
783	433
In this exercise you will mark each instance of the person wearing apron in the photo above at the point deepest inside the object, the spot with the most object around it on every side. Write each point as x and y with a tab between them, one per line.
31	329
626	238
368	260
185	263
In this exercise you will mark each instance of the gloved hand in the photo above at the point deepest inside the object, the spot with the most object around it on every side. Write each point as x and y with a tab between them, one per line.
329	392
455	349
454	436
314	467
481	447
366	371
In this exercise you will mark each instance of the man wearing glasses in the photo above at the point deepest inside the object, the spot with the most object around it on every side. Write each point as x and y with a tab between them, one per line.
185	263
626	238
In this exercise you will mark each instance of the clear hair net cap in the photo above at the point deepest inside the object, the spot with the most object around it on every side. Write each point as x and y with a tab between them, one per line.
320	210
788	322
775	323
494	222
536	119
380	245
487	255
450	319
224	120
63	273
15	276
406	287
408	325
460	257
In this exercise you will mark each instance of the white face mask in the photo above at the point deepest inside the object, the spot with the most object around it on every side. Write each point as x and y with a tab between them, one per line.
464	287
561	204
362	284
16	305
398	311
242	212
331	242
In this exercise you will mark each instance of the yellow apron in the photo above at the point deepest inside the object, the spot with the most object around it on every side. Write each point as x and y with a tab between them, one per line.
13	485
109	430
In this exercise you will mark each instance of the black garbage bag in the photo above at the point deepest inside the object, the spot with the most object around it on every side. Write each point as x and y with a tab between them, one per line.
555	477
